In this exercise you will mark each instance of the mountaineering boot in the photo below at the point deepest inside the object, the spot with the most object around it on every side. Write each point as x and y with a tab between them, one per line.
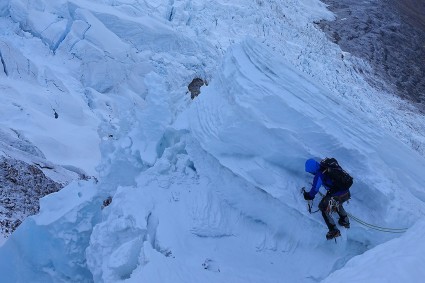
333	234
344	222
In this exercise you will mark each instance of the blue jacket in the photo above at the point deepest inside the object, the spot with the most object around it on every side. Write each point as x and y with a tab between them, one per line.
313	167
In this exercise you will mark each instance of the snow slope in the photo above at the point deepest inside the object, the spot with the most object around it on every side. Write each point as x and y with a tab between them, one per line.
35	86
204	190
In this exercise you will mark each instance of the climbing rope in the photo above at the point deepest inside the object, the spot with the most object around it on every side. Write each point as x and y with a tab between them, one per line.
378	228
334	205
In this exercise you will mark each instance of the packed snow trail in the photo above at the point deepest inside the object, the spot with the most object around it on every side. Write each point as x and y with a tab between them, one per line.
208	190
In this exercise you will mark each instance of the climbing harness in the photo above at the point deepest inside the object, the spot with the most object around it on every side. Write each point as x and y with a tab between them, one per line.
333	205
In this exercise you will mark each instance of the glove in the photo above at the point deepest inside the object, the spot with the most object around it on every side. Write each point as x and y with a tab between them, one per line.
307	196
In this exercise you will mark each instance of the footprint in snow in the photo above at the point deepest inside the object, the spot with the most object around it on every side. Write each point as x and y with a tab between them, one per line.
210	265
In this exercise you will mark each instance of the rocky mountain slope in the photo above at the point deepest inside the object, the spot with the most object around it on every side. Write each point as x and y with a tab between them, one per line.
21	187
390	35
25	177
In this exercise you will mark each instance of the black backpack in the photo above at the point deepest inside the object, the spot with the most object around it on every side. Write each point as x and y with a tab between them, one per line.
341	180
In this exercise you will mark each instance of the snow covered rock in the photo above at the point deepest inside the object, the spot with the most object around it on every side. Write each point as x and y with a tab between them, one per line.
22	185
25	177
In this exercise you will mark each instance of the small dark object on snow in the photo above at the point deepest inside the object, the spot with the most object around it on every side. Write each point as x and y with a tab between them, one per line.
107	202
195	87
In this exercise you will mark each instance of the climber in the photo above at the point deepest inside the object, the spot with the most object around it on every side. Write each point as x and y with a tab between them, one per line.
337	182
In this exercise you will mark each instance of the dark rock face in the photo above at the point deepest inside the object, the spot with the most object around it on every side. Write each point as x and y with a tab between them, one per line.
390	35
412	11
21	187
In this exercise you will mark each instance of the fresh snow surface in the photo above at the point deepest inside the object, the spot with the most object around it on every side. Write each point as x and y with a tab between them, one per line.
203	190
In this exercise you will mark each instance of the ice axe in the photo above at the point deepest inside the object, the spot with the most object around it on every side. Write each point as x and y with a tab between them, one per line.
309	202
